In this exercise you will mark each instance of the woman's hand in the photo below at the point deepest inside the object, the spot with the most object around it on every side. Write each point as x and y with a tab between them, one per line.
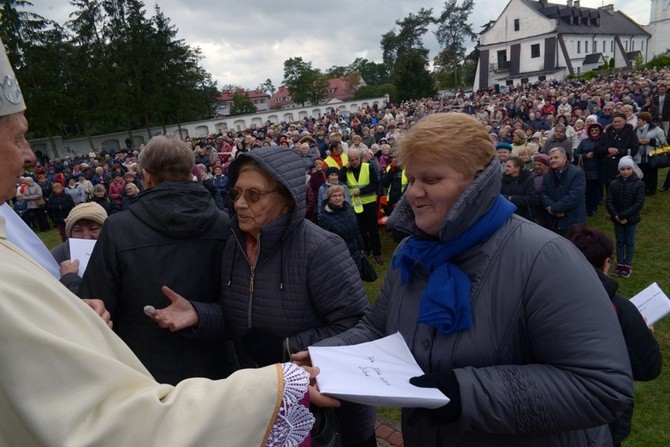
180	314
69	266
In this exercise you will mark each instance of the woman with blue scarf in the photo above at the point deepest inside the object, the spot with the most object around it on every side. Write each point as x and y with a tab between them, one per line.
504	317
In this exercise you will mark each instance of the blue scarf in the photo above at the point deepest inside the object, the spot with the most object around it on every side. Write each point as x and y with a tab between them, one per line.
445	302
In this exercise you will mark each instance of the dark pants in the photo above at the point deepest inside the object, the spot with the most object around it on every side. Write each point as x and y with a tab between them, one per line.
40	214
650	178
593	196
367	225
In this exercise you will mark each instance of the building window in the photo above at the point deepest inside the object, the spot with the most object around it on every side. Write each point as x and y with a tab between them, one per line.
586	46
626	45
535	50
632	45
642	46
542	78
604	45
516	24
579	46
502	59
612	47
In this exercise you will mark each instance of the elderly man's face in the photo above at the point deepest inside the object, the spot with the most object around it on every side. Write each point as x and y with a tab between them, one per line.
15	153
354	160
557	160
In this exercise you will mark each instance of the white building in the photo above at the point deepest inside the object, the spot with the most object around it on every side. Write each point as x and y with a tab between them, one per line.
659	28
536	40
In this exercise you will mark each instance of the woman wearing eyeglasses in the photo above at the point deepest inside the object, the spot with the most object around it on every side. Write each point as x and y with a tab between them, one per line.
286	283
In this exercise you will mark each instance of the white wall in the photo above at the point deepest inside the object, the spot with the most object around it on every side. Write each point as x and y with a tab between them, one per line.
198	128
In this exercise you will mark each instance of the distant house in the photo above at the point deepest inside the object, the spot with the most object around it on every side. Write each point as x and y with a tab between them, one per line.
537	40
260	99
339	90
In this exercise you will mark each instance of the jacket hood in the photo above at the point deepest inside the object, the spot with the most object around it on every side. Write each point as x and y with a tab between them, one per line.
588	131
474	202
180	209
285	166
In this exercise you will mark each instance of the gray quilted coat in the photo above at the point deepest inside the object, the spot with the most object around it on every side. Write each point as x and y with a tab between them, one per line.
305	286
544	364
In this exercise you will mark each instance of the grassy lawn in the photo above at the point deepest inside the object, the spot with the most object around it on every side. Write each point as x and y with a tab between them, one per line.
651	264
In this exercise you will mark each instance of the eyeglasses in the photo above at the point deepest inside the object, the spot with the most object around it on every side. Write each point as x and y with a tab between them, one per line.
250	195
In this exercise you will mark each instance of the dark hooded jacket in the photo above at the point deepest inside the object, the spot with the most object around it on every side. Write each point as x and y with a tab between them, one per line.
304	286
643	351
536	368
172	235
590	145
625	141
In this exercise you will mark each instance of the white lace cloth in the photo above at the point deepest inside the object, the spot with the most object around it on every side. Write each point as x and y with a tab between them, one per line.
294	420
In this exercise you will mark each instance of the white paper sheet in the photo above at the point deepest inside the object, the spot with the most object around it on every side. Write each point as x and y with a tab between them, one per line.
652	303
375	373
81	249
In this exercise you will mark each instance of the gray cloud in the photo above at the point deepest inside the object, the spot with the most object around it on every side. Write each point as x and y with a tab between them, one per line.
248	41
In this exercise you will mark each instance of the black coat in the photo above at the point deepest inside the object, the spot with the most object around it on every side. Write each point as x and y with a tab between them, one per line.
625	198
591	165
643	351
343	222
520	190
59	206
625	141
172	235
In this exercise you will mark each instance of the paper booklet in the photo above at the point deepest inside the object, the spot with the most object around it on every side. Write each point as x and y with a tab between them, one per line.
374	373
81	249
652	303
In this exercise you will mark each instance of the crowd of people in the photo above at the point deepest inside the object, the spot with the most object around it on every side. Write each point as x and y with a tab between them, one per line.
231	253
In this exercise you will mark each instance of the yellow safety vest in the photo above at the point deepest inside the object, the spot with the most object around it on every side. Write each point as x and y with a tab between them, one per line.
363	180
330	161
403	183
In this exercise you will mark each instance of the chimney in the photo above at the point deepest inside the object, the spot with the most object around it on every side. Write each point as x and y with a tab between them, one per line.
569	3
576	3
544	3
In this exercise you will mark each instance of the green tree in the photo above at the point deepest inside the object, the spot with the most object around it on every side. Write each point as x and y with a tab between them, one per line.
242	104
267	87
407	56
376	91
411	77
18	28
409	37
318	88
371	72
303	82
453	32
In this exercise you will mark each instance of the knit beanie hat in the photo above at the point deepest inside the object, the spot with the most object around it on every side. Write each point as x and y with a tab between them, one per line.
504	145
542	158
626	161
91	211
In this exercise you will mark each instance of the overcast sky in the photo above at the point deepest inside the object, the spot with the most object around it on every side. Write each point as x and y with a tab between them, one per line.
247	42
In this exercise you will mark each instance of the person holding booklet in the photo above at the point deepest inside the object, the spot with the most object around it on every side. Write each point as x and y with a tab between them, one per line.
496	310
68	379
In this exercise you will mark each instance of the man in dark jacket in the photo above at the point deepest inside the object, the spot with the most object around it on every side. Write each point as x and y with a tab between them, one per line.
562	193
662	102
172	235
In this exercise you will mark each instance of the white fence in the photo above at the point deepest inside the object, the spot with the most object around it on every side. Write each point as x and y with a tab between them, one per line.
197	129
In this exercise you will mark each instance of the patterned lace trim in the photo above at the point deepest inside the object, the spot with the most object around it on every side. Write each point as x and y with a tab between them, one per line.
294	420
